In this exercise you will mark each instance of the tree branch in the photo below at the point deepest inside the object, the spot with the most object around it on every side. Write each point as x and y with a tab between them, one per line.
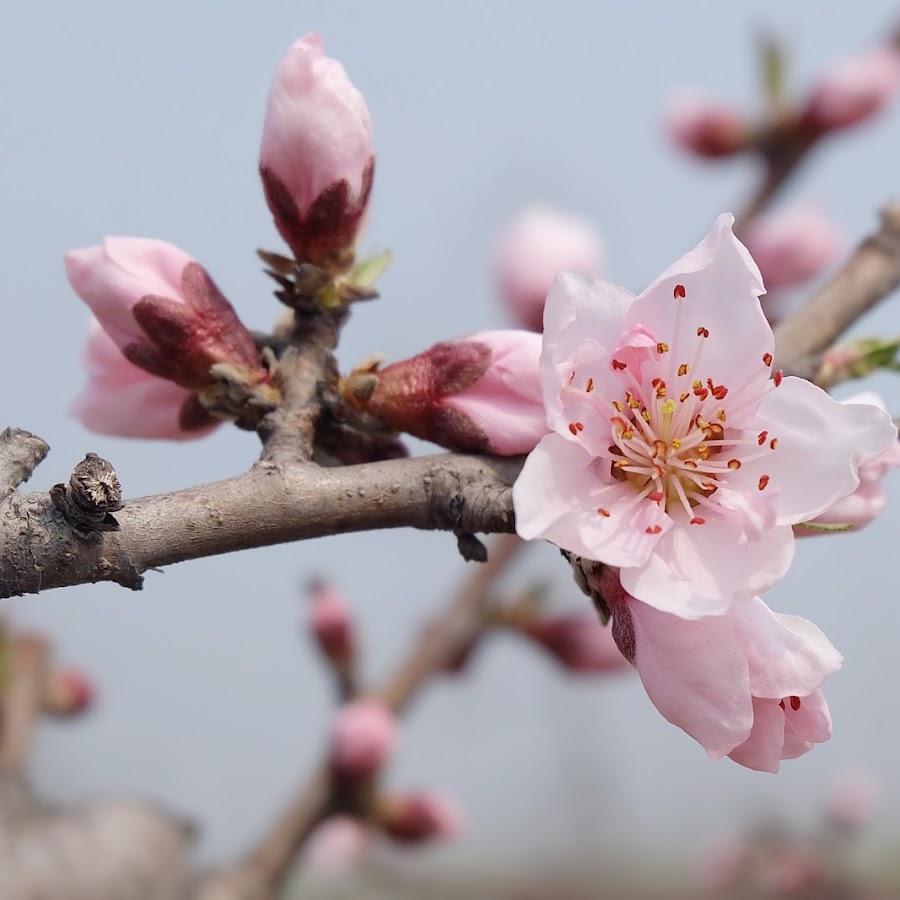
868	277
270	504
21	453
21	700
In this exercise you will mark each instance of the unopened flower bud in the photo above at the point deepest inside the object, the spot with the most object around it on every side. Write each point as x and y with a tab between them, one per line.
316	159
793	246
578	642
417	817
480	393
854	89
705	127
169	319
331	624
537	245
363	738
339	843
67	692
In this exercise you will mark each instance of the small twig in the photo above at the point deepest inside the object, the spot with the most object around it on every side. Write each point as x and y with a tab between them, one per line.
871	273
21	701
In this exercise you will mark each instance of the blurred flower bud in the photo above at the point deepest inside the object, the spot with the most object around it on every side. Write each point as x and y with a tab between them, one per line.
480	393
578	642
793	246
331	624
363	738
537	245
852	798
339	843
316	159
854	89
725	865
792	871
867	501
705	127
67	692
417	817
167	317
122	399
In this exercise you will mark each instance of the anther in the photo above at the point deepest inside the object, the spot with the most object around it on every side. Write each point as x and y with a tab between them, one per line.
656	529
698	521
761	438
662	347
702	332
603	512
679	291
763	481
683	369
778	377
656	496
734	463
618	365
590	385
773	443
767	359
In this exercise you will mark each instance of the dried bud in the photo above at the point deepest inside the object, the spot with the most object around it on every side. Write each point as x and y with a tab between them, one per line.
537	245
363	738
168	318
67	692
331	624
706	128
854	89
418	817
481	393
578	642
316	159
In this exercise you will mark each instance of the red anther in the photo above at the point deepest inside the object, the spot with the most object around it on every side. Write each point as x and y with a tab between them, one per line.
653	529
618	365
579	426
734	463
761	439
590	385
603	512
702	332
698	521
702	393
767	359
679	291
763	481
573	428
779	377
781	704
657	382
795	703
719	391
656	496
773	443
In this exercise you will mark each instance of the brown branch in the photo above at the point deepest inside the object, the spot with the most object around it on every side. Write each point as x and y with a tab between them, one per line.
871	273
453	633
20	454
22	700
270	504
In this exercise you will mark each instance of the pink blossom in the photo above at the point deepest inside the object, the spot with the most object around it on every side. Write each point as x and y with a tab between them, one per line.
121	399
705	127
852	798
675	453
421	816
745	684
331	623
339	843
363	738
793	246
316	158
537	245
867	501
855	89
478	393
67	692
162	310
578	642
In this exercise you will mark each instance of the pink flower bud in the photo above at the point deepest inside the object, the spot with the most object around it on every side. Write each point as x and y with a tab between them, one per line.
316	158
67	692
579	642
480	393
705	127
339	843
793	246
537	245
363	738
852	798
867	501
162	310
854	89
331	624
417	817
123	400
725	865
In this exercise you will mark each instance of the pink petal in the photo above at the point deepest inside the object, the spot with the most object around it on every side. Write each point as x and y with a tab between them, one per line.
559	493
695	674
762	750
787	655
821	445
808	725
698	570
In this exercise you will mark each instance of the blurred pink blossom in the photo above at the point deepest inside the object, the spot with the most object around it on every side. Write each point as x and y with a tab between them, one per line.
68	692
745	684
316	158
867	501
363	737
339	843
578	642
477	393
422	816
793	246
705	127
121	399
331	623
854	89
852	798
675	452
539	243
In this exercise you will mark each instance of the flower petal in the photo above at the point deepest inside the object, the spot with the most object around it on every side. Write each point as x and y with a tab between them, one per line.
805	726
763	749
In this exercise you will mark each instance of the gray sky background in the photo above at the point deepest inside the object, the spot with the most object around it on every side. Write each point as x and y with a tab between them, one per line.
137	119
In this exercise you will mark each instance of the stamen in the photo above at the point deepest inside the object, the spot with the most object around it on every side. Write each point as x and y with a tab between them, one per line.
603	512
795	703
698	521
702	332
679	291
590	385
662	347
654	529
763	481
618	365
734	463
767	359
762	437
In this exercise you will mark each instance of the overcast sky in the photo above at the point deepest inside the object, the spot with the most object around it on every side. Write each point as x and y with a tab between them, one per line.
137	119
